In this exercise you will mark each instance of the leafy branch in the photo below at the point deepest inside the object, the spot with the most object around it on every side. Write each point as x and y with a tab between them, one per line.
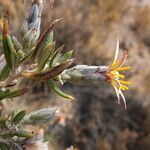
35	56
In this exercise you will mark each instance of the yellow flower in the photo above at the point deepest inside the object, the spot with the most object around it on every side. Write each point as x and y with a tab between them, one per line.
114	76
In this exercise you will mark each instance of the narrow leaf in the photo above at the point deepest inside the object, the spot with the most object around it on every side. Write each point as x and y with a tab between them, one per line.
25	39
20	55
1	23
8	48
12	94
4	73
14	113
13	55
50	38
3	123
4	146
7	51
19	116
7	135
50	74
24	134
16	43
54	86
55	55
43	37
44	56
66	56
27	56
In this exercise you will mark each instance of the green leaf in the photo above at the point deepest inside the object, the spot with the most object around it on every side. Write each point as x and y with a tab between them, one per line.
25	39
3	94
24	134
19	116
20	55
4	73
66	56
7	135
43	38
1	38
27	56
45	54
54	86
14	113
4	123
50	38
36	118
16	43
13	55
6	48
48	73
51	63
12	94
4	146
7	52
33	41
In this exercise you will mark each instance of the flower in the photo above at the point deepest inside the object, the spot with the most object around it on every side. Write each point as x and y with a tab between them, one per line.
113	75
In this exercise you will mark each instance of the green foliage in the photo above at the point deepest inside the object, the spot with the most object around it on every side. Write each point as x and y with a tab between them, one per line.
18	117
4	73
45	55
32	57
10	129
12	94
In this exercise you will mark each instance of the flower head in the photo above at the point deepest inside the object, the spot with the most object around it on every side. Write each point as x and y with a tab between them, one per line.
114	76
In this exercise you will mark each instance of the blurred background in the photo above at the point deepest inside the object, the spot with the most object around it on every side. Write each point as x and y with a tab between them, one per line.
90	27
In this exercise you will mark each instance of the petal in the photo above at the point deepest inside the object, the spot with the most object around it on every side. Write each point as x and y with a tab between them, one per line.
117	93
116	51
123	87
125	82
123	68
120	62
124	100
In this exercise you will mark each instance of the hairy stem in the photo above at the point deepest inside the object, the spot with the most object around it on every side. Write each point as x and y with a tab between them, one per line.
85	74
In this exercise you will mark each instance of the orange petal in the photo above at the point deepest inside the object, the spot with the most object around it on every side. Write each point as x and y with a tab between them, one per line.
123	68
125	82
